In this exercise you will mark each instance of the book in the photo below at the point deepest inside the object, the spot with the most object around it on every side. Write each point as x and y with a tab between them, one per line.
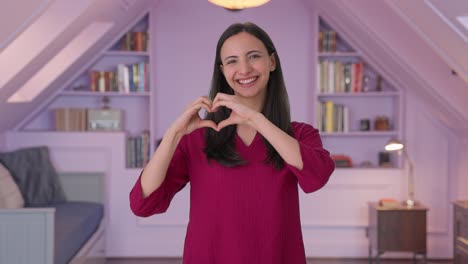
389	202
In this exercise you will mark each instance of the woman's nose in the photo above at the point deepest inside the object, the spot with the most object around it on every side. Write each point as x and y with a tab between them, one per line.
245	67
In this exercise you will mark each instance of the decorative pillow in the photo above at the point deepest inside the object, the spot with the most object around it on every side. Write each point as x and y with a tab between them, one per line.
37	179
10	196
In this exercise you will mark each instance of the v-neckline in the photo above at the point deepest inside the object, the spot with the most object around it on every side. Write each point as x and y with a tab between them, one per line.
256	136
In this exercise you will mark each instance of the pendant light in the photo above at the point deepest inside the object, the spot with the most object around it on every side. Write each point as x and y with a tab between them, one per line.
238	4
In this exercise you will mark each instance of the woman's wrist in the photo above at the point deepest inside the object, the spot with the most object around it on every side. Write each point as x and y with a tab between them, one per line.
173	135
257	120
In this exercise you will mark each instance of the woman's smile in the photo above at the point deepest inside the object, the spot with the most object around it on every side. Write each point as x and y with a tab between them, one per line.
247	82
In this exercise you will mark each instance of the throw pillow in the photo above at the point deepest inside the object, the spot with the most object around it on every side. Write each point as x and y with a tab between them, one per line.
35	175
10	196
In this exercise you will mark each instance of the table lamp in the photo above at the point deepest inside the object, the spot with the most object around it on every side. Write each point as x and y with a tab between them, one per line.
396	145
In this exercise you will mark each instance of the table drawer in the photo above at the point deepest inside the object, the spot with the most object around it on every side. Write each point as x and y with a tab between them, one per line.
461	225
460	232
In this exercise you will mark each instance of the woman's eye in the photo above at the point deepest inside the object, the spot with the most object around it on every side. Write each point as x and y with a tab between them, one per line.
254	56
230	61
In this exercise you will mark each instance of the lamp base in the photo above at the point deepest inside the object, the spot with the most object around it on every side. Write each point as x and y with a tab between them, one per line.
409	203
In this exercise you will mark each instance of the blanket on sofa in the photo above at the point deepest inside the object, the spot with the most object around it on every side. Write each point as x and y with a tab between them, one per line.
35	175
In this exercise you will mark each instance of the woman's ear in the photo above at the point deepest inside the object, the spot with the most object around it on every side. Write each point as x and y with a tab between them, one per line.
221	68
272	62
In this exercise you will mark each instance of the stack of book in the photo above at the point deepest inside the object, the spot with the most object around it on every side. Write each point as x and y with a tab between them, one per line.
389	203
138	150
332	117
327	41
338	77
132	78
134	41
70	119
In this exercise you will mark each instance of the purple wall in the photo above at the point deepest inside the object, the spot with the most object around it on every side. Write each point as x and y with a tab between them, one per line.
186	35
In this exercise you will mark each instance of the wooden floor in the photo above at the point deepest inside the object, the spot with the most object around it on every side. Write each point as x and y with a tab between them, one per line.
309	261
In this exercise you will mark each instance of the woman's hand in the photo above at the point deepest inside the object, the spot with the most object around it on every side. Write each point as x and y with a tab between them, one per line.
189	120
240	114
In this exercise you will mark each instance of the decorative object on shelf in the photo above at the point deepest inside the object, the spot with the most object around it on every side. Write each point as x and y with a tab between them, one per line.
378	84
342	161
381	123
364	124
238	4
384	160
365	84
105	102
105	119
366	164
396	145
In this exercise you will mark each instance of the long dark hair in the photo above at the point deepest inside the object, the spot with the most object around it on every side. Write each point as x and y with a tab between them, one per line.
220	146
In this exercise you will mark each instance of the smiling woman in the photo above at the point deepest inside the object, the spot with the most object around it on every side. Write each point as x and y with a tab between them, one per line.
244	161
247	67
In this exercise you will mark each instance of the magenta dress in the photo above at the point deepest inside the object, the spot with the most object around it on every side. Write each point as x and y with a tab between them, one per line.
242	215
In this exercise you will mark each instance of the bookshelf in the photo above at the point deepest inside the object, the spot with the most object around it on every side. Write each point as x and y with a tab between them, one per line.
117	84
357	109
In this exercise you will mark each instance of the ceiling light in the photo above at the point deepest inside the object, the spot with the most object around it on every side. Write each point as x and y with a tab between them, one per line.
238	4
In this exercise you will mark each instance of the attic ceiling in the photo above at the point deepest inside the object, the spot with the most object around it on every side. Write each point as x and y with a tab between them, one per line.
435	21
34	33
20	19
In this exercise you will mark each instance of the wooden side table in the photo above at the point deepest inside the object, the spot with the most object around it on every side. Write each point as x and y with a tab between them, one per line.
460	232
398	228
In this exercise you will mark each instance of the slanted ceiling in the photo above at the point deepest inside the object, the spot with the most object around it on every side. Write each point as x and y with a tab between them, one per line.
417	44
19	42
20	19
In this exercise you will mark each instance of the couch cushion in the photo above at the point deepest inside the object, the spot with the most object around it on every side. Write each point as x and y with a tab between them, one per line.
35	175
75	223
10	196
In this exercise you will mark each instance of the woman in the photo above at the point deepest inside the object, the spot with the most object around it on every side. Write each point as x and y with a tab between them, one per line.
244	161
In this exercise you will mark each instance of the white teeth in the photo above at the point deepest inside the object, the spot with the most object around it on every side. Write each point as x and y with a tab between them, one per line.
246	81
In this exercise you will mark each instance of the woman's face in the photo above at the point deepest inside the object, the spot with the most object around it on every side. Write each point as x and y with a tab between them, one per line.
246	65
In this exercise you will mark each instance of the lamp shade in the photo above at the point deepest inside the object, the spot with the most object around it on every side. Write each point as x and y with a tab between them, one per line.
238	4
393	145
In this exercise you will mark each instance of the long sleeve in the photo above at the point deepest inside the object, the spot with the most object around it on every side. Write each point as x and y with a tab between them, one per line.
158	201
318	166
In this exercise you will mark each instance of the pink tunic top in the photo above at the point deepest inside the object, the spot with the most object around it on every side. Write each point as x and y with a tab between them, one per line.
241	215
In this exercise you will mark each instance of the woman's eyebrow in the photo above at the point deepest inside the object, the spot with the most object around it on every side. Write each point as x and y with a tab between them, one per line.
230	57
253	51
248	53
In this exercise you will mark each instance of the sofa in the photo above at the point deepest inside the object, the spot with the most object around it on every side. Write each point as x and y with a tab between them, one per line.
38	224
